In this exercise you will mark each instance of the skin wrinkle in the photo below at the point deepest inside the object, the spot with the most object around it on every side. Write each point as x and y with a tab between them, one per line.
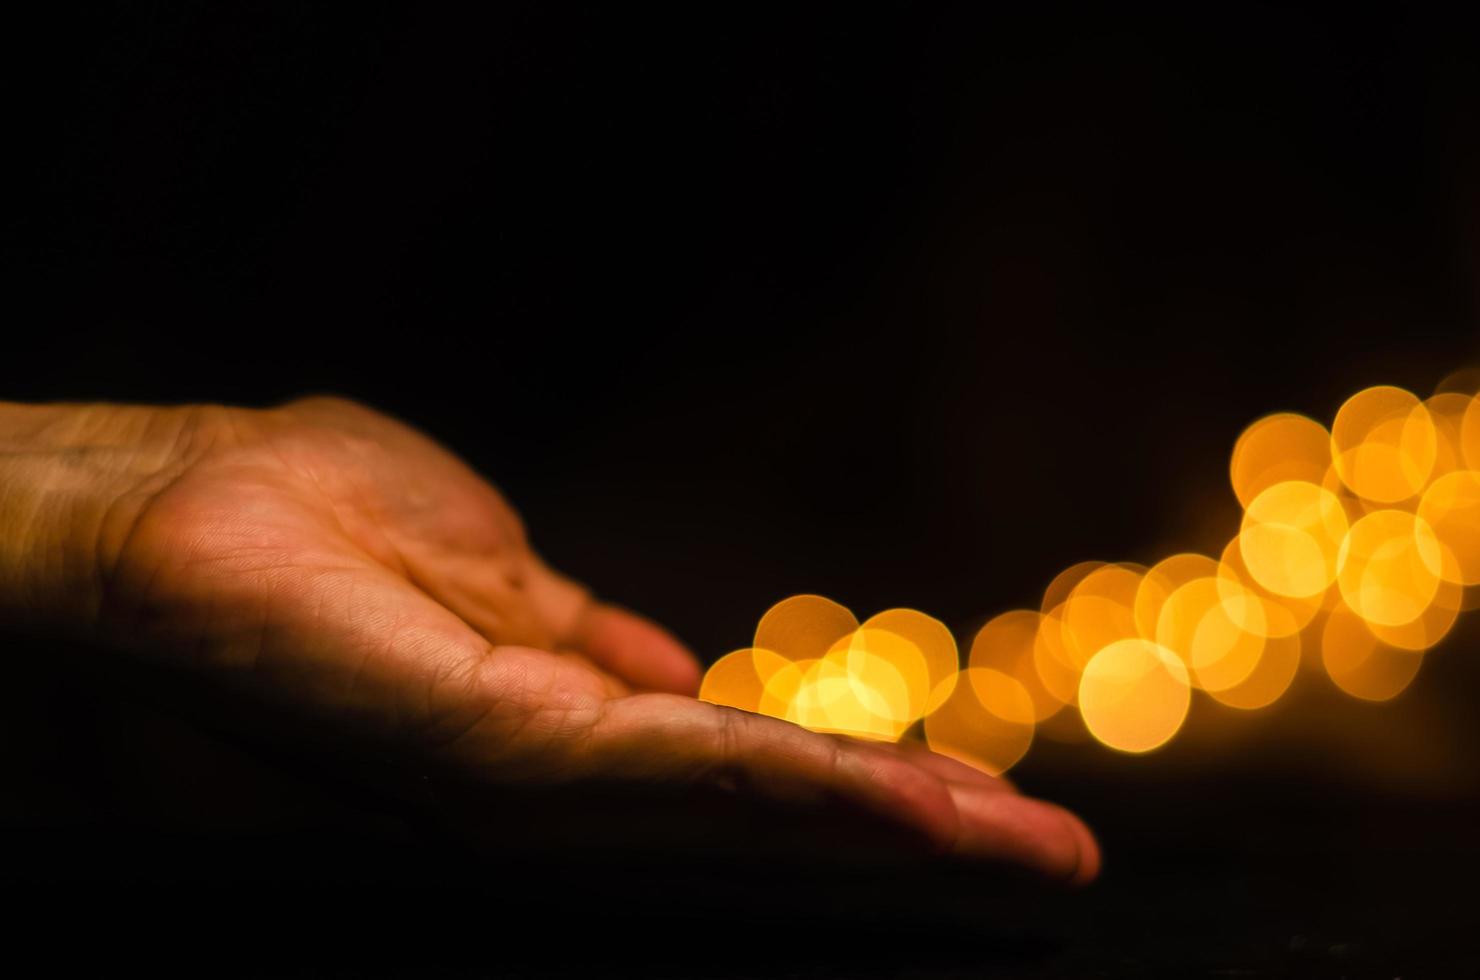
335	580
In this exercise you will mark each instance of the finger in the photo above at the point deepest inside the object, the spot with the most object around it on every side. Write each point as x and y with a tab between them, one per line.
639	651
662	738
947	768
633	648
997	826
613	685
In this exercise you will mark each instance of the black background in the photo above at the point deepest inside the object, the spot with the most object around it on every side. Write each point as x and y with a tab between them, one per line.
903	306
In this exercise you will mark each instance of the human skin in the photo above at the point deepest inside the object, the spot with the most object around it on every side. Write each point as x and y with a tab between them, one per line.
320	576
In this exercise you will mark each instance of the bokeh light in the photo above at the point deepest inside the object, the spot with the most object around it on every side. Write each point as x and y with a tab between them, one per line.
987	722
1291	538
1279	661
738	679
1390	563
1451	508
1359	544
1278	449
803	627
1006	644
1384	444
1204	629
1361	664
936	645
1134	695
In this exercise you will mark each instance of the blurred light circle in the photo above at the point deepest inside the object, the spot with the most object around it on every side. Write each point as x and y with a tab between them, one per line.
1279	661
1063	583
1390	564
987	722
1277	449
737	679
1291	538
1006	644
1279	615
1451	507
1432	625
1134	695
1202	627
1464	381
779	691
889	672
1100	610
1161	580
856	694
935	644
803	627
1384	444
1447	410
1056	664
1469	434
1360	664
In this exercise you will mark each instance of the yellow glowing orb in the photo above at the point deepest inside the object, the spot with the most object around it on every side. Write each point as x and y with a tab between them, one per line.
1202	627
1359	663
1279	615
1134	695
1390	564
889	671
803	627
987	722
1279	661
1447	410
1161	580
738	679
1451	507
1291	537
1063	583
1100	609
1277	449
1006	644
1056	663
1384	444
1469	434
1432	625
934	642
866	698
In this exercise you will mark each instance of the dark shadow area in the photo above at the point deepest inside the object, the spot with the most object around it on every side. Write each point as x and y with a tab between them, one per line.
904	307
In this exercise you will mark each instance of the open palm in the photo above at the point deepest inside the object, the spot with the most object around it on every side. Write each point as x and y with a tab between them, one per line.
323	576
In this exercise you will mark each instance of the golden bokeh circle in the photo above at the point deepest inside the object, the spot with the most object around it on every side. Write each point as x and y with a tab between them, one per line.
803	627
987	722
1362	665
1279	662
1134	695
1005	643
1291	536
1390	563
1384	444
935	643
1276	449
1451	506
738	679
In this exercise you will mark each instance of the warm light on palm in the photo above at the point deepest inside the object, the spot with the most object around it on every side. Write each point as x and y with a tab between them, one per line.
324	575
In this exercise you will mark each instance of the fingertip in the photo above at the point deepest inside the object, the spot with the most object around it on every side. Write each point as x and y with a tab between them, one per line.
1000	827
638	650
1089	852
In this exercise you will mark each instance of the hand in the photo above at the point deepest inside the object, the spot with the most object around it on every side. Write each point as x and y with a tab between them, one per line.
326	578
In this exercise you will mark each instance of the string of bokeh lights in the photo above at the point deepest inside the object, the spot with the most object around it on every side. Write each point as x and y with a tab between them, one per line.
1358	548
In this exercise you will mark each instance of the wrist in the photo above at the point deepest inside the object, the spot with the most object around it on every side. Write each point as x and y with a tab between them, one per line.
72	478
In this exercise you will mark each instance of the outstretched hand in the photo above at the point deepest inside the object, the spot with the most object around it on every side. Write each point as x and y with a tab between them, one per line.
326	577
